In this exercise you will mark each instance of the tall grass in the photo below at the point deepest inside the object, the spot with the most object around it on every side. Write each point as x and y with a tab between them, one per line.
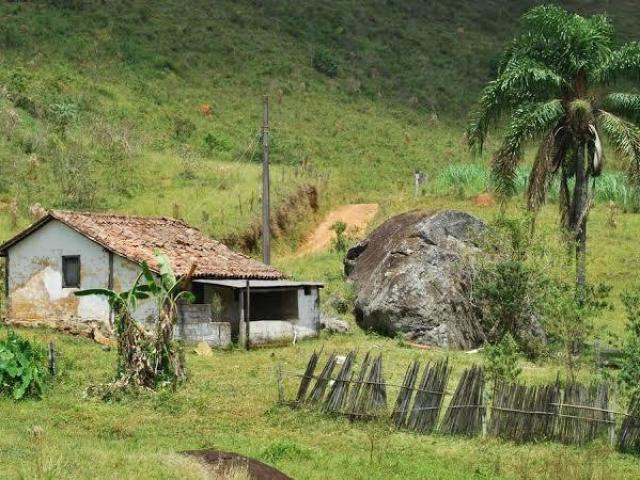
466	180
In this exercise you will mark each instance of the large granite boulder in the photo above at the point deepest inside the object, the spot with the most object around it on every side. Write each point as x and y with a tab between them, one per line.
412	278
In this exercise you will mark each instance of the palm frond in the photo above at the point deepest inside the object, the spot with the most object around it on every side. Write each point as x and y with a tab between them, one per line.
520	82
528	122
549	158
595	152
624	136
621	63
626	105
564	41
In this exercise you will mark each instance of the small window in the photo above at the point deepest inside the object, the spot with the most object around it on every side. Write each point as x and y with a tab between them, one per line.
71	271
307	290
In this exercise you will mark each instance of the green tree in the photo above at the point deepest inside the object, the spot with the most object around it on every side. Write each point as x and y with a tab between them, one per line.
552	88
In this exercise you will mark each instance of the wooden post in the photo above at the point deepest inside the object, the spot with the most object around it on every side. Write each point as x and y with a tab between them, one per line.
266	228
241	318
247	317
484	407
279	382
612	418
110	287
51	357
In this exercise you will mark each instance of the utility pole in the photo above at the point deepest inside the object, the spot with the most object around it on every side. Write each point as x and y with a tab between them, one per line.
247	316
266	226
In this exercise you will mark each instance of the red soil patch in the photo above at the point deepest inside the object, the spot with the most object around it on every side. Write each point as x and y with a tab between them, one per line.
483	200
356	216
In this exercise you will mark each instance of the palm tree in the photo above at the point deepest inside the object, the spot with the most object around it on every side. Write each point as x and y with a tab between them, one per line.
552	88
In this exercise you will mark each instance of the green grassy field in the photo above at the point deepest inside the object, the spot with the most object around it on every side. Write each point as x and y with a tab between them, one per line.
229	403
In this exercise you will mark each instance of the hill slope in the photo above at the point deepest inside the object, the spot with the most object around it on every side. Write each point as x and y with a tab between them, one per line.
102	102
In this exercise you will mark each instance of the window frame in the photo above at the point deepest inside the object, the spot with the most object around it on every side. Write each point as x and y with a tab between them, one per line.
64	279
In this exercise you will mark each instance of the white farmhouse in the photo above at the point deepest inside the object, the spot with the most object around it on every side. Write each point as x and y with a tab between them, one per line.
66	251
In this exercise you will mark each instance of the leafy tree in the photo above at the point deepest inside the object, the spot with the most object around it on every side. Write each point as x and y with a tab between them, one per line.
552	86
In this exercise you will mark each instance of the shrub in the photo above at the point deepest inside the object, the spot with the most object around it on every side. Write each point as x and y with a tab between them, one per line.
569	322
341	242
214	143
62	114
9	35
183	128
630	365
22	368
509	286
324	62
501	361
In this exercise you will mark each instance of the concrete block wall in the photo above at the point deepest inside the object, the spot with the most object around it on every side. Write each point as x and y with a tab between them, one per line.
195	324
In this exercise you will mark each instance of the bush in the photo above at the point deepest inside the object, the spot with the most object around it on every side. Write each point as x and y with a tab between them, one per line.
501	361
214	143
510	288
324	62
183	128
341	242
22	367
569	323
9	36
629	377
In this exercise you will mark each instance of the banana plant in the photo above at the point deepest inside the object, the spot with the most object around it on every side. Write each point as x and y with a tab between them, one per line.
146	359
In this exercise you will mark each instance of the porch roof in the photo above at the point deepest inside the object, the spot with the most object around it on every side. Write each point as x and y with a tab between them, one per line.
257	283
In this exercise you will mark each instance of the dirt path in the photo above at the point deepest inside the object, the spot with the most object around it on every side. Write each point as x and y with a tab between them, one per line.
356	216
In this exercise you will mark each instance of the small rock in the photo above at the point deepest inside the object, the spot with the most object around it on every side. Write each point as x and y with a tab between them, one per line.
36	432
203	349
334	325
99	338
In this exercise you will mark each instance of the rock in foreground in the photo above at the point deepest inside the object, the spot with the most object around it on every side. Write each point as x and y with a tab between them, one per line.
410	279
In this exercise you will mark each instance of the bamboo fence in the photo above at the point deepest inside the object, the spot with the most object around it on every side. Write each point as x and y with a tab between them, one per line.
571	413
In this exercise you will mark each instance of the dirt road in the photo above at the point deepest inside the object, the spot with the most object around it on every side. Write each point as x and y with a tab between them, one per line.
356	216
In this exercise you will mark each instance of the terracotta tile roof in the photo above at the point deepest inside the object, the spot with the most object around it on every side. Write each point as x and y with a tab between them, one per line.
136	238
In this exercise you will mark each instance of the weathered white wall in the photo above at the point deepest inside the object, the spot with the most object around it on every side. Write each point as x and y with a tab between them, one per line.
308	322
35	278
195	324
36	294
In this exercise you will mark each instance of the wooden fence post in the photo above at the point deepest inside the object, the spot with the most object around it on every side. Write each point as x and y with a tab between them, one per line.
279	383
612	418
52	361
484	412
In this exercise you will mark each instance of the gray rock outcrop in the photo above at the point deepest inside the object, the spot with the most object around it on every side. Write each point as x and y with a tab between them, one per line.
411	278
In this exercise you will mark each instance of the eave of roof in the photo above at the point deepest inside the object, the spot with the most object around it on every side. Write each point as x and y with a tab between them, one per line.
269	273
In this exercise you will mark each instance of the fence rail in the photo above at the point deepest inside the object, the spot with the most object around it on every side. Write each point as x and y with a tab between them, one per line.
571	413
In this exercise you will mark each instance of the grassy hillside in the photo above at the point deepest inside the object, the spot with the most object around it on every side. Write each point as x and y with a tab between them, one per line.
101	102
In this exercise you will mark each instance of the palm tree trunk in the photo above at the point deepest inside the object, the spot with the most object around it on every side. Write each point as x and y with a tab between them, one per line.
579	221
